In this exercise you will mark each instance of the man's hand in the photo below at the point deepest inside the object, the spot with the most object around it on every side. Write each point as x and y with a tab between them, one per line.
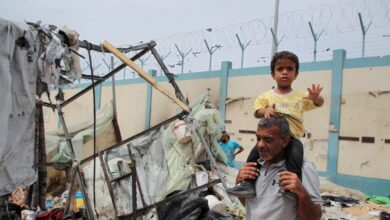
314	94
247	172
289	181
306	208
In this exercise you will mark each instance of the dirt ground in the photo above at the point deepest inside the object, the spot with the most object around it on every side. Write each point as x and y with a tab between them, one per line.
362	211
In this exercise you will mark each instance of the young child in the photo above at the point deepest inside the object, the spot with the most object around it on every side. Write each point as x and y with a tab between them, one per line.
283	100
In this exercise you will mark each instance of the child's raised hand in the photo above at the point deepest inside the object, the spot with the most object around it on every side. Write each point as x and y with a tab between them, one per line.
314	92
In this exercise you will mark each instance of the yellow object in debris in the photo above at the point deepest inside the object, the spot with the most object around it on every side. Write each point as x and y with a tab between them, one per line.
79	201
107	45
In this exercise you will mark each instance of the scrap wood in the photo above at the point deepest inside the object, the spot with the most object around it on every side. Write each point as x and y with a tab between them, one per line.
144	75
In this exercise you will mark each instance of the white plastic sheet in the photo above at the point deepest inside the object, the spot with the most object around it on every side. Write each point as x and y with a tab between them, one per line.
18	71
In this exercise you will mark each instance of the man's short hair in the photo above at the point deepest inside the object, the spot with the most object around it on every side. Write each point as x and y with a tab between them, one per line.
279	122
284	55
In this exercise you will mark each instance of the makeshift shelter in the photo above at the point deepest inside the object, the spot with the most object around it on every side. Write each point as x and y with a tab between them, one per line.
155	161
19	53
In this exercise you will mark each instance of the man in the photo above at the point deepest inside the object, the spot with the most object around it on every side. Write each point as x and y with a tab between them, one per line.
230	147
279	193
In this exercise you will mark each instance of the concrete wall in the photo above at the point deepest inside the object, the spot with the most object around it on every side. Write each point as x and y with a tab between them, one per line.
163	108
131	107
356	105
364	115
239	113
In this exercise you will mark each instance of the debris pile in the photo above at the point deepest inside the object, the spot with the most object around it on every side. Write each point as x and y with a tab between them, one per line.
348	204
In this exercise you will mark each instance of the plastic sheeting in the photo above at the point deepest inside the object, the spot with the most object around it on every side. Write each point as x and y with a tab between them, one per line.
57	147
164	163
379	199
152	172
190	208
18	70
20	60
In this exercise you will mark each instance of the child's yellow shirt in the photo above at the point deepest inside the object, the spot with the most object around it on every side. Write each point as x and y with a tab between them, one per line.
291	105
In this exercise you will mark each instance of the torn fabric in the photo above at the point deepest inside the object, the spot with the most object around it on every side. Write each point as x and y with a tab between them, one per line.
19	50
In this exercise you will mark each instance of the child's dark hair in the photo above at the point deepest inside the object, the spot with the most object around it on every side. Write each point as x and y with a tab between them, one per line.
225	133
284	55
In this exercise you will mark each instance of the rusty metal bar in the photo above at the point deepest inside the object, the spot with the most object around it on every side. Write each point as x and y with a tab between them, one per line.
97	78
99	48
210	155
144	75
170	76
121	177
134	189
136	177
119	68
71	191
180	115
78	172
106	178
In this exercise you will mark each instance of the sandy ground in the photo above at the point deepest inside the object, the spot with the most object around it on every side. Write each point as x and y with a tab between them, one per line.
365	210
362	211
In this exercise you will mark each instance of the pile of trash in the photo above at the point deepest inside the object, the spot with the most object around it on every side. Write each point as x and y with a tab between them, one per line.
170	160
348	204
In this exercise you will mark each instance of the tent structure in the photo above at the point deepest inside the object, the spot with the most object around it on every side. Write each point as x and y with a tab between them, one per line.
38	57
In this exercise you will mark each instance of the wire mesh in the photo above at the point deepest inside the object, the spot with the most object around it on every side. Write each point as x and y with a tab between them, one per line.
340	23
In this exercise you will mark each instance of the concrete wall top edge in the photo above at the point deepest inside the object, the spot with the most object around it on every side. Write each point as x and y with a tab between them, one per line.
363	62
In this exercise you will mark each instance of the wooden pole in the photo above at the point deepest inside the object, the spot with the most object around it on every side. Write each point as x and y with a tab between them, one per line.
144	75
42	169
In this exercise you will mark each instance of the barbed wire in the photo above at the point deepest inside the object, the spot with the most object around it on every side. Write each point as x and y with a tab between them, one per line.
339	22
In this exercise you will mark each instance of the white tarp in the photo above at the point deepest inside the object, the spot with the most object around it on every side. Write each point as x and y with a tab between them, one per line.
18	71
21	62
57	148
164	163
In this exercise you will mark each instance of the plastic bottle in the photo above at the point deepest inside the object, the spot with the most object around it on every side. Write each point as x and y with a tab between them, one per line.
79	201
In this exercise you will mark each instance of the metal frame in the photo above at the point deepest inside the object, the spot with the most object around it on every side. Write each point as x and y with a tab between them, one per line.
316	37
243	46
99	80
364	32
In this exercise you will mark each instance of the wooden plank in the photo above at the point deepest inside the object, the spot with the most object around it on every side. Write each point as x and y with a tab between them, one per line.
144	75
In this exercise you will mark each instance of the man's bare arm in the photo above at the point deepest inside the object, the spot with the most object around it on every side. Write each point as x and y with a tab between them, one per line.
307	210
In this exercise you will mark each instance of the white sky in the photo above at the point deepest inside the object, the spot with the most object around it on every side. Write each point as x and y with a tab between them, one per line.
127	22
123	22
